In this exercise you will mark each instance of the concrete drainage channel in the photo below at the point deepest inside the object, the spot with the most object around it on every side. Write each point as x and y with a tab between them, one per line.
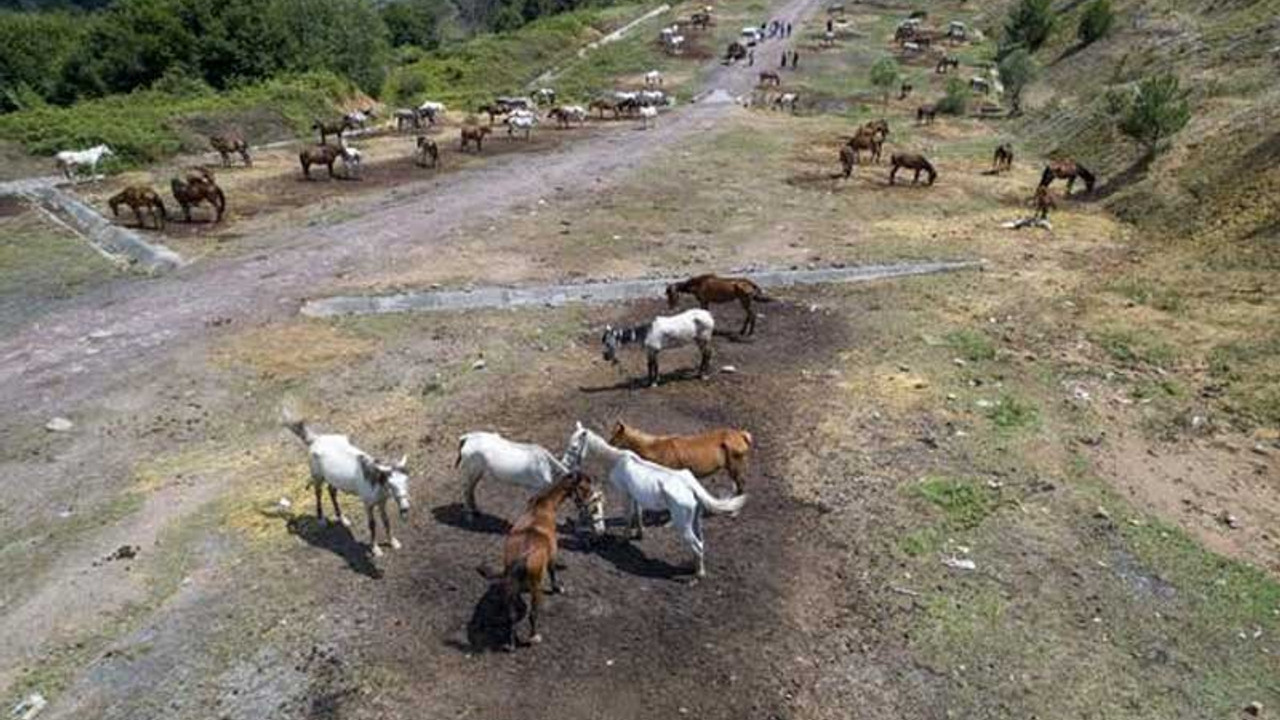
600	292
115	242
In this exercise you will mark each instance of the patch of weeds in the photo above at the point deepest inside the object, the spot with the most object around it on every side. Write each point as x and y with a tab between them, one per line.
1135	348
1156	389
1151	294
921	542
965	503
1011	413
971	345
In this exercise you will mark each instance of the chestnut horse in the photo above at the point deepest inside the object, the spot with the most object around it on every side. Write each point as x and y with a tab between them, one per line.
704	454
332	128
138	198
870	137
474	135
1003	159
325	155
529	553
1044	202
711	289
228	143
912	161
196	187
1067	170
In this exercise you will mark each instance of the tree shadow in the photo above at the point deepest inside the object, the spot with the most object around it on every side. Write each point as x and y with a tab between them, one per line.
455	515
337	539
1117	182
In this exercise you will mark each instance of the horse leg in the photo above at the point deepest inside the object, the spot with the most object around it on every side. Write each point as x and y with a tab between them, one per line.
691	527
556	587
748	323
653	368
319	506
535	602
892	172
1071	182
470	510
704	363
386	525
915	178
637	520
137	215
373	532
337	511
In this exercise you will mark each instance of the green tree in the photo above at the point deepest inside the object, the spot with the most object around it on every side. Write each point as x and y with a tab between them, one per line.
956	99
1095	22
33	49
1017	70
884	75
1029	25
1156	110
413	22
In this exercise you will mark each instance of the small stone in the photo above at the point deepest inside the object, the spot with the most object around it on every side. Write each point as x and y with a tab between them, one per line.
29	707
1229	520
284	503
730	369
59	424
479	364
959	362
1254	708
1101	513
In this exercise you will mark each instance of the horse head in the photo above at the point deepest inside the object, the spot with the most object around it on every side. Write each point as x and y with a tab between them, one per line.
673	295
392	478
610	342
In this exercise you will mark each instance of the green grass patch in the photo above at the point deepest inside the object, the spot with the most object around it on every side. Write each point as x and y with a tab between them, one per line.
964	503
971	345
149	125
1011	413
40	265
1151	294
1135	348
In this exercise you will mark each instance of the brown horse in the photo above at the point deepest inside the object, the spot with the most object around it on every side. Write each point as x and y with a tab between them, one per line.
769	77
911	161
474	135
704	454
139	198
848	158
602	104
428	152
1067	170
945	62
196	187
904	90
1003	159
325	155
228	143
529	553
494	110
709	289
1044	202
926	114
332	128
870	137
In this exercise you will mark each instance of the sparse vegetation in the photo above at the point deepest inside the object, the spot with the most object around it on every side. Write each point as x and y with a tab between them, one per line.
1009	412
1017	70
1029	24
1095	22
956	99
1153	111
1135	349
971	345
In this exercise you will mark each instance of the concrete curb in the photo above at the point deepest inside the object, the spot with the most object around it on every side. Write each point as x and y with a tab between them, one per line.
596	293
111	240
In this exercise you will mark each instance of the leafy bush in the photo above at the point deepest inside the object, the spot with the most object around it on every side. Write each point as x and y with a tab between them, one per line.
884	75
1017	70
971	345
1095	22
1029	25
33	49
1154	111
956	99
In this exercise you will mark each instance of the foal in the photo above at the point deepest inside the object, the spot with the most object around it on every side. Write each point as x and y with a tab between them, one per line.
1003	158
704	454
912	161
529	552
139	198
696	326
711	289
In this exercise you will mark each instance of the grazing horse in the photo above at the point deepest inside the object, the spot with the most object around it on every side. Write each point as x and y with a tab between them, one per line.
494	110
227	143
602	104
325	155
712	289
568	114
735	52
339	465
485	454
1067	170
407	116
786	100
926	114
529	554
522	121
650	486
198	186
700	20
945	62
911	161
431	110
331	128
769	77
1003	158
1044	202
474	136
139	198
428	152
69	161
690	326
704	454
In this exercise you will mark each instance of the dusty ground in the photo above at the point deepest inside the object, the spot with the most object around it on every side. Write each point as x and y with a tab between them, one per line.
1026	418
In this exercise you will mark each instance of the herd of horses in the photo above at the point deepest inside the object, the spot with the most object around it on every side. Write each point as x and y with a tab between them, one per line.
652	472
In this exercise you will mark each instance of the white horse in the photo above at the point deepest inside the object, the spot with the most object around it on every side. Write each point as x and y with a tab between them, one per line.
339	465
786	100
648	113
691	326
650	486
653	78
521	120
486	454
351	159
69	161
566	115
431	110
546	96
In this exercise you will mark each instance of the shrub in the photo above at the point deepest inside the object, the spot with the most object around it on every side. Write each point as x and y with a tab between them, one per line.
1017	70
1095	22
1029	25
1156	110
956	99
884	75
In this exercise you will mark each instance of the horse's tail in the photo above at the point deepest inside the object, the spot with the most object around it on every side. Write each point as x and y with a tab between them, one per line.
1046	177
462	442
713	504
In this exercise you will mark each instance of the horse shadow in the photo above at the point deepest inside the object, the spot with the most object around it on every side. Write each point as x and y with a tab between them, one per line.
491	622
625	555
455	515
337	539
642	383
